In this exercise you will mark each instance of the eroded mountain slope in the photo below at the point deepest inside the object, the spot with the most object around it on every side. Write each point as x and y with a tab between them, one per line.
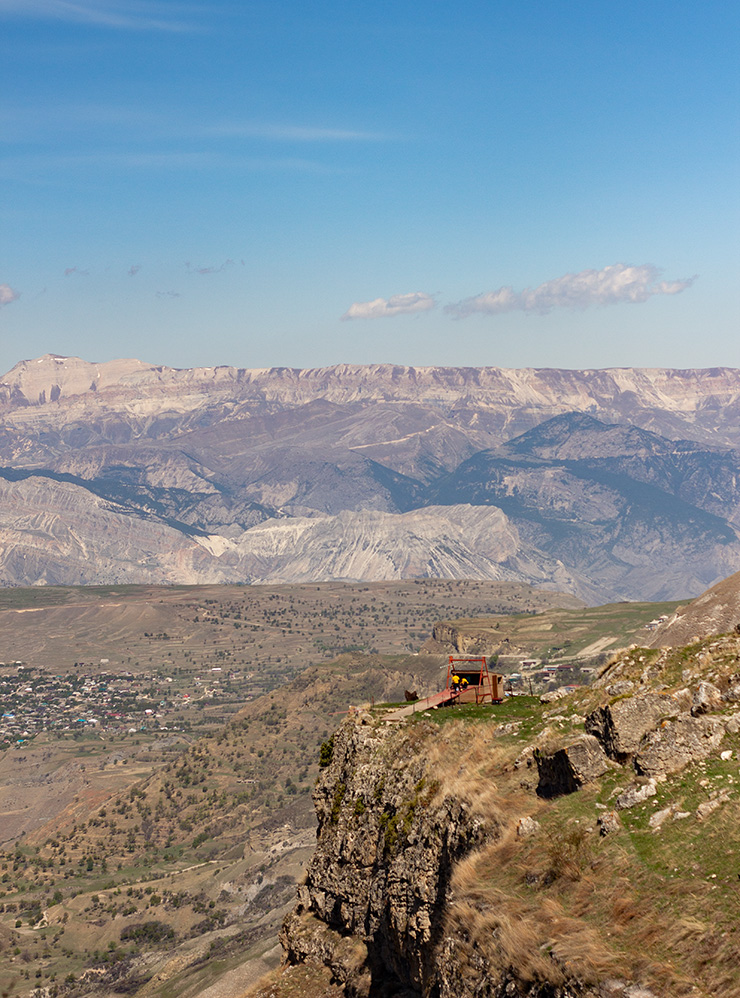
621	482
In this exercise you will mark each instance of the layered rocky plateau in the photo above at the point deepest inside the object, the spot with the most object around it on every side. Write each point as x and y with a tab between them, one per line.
614	484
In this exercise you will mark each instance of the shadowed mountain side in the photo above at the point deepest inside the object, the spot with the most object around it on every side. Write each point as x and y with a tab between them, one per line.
608	502
704	477
414	420
189	511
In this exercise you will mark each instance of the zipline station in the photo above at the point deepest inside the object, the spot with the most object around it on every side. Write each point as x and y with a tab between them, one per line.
468	681
476	683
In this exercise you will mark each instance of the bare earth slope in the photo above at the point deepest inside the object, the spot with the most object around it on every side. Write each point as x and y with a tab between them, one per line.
716	611
615	484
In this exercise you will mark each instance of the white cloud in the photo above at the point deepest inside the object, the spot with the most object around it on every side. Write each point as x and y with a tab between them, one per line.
385	308
8	295
611	286
140	15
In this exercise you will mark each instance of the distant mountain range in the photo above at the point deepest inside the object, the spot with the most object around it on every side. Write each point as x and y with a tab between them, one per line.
614	484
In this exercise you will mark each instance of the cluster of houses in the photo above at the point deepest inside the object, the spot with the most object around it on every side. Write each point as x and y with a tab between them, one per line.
653	624
32	701
535	677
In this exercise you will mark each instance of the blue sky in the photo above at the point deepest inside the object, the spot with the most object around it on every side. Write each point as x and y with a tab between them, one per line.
280	183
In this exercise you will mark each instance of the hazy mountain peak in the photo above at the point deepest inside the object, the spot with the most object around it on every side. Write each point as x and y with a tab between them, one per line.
49	378
579	435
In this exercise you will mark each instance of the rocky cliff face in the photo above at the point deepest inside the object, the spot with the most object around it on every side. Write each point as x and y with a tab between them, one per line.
388	844
378	907
656	399
581	848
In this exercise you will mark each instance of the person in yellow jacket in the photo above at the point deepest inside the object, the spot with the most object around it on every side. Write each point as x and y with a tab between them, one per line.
455	683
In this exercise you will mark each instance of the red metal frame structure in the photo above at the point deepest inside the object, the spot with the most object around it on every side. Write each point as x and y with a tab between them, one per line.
482	684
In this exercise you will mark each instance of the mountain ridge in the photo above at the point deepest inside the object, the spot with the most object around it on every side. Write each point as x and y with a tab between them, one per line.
671	388
623	481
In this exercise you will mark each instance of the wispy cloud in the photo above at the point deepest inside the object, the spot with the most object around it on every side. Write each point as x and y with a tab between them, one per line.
219	269
611	286
386	308
23	167
8	295
134	269
22	120
291	133
168	294
76	270
130	15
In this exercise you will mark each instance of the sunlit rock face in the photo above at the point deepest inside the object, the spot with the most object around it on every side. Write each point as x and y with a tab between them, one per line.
611	484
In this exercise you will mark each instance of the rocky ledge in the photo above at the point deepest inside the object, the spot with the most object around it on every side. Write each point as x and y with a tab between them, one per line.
574	849
373	904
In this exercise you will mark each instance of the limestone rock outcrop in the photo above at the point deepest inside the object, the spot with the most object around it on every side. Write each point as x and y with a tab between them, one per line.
374	907
568	768
440	873
385	854
621	725
679	743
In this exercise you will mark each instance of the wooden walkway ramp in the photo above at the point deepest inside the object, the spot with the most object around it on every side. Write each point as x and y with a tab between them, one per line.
440	699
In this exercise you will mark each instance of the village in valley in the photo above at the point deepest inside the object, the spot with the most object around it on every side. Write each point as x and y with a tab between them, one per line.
93	699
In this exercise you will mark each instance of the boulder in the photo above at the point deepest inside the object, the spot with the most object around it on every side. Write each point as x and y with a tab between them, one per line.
554	695
608	823
527	827
567	769
732	693
657	819
706	698
708	807
623	989
621	688
621	726
678	744
732	725
638	793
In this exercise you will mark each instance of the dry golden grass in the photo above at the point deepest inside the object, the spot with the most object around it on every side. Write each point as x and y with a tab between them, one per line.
468	763
296	982
565	902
